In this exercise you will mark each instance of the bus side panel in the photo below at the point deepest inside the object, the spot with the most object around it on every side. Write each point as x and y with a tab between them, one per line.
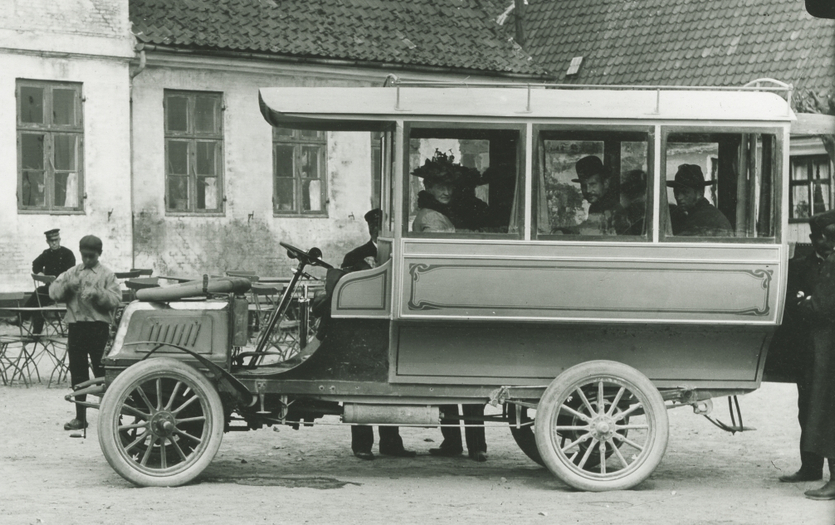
528	353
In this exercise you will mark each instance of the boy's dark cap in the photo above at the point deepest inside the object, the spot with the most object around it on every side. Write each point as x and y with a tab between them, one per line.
91	243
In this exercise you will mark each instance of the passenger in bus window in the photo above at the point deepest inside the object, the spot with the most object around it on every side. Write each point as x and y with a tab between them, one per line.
467	211
694	215
595	183
629	218
440	177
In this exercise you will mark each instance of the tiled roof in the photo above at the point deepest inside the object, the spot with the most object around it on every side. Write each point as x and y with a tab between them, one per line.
456	34
683	42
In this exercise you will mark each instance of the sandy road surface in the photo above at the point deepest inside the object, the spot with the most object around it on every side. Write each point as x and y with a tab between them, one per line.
310	476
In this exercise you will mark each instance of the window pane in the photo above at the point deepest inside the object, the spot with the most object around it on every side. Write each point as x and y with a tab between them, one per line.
312	195
65	151
66	189
313	134
283	161
800	170
800	202
63	106
206	158
31	151
177	110
310	162
205	115
178	193
821	198
32	191
207	192
31	104
178	157
285	195
569	208
283	132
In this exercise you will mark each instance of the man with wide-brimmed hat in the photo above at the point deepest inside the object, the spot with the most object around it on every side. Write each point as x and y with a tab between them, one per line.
53	261
695	216
596	185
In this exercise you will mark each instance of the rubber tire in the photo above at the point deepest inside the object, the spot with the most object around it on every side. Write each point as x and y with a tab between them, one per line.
524	436
111	407
589	372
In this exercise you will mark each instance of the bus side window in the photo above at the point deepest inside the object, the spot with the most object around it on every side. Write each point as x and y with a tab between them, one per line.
592	184
720	185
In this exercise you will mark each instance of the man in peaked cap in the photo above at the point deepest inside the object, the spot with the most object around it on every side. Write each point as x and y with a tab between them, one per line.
53	261
818	307
695	216
362	437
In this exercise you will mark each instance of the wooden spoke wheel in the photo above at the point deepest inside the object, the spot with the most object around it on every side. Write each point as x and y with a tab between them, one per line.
161	423
601	409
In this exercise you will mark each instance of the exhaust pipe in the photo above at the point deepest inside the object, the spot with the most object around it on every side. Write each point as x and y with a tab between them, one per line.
391	414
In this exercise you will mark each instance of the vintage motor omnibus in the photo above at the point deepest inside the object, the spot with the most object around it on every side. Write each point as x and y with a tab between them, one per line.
586	326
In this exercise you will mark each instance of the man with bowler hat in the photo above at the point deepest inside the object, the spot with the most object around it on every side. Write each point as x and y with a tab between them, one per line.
53	261
595	183
92	295
695	216
362	437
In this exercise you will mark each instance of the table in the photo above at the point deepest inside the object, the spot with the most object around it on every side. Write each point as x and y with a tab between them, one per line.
52	342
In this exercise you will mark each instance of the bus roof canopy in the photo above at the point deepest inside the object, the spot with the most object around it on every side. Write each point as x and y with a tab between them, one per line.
374	108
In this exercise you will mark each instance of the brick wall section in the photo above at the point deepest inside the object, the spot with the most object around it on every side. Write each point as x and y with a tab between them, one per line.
102	18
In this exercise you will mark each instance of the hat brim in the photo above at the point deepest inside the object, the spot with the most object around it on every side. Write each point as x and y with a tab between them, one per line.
674	184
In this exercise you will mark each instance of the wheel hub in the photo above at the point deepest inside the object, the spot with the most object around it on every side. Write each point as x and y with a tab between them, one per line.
163	424
602	428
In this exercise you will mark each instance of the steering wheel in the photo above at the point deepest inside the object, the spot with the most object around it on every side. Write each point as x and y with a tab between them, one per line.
313	256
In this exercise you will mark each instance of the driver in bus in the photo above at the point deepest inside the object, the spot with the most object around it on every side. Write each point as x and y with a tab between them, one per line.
695	215
595	183
362	436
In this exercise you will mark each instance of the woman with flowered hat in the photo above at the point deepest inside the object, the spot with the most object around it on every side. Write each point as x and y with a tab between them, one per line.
441	175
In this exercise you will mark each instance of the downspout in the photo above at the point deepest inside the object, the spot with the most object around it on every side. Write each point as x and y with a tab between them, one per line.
142	64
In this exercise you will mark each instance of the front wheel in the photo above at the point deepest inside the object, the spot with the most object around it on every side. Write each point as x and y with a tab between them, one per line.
616	400
161	423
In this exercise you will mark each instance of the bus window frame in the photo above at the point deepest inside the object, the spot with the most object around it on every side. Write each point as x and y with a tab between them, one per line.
520	128
595	129
777	183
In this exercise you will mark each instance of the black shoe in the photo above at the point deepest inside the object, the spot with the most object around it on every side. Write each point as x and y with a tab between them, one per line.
478	456
826	492
398	453
75	424
801	476
446	452
368	456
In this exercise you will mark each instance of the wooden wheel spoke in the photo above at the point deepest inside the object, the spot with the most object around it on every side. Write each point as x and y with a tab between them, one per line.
602	457
617	453
150	445
616	401
143	424
586	402
179	450
623	414
190	400
601	408
134	411
566	408
142	437
187	435
576	442
191	419
587	455
628	441
145	398
173	395
571	427
631	427
159	393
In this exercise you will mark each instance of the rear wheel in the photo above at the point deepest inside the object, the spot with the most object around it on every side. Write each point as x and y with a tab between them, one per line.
161	423
586	413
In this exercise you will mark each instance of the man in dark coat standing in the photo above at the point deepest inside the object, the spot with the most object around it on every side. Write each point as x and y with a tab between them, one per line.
53	261
790	353
362	437
819	308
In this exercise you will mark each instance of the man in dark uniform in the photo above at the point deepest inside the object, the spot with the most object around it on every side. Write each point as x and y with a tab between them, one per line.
819	308
362	437
790	353
695	215
54	261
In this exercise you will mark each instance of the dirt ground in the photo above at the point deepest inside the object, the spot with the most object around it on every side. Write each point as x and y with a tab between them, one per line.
279	475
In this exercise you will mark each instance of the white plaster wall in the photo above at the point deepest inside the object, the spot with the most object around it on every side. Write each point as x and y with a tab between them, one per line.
105	89
247	235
